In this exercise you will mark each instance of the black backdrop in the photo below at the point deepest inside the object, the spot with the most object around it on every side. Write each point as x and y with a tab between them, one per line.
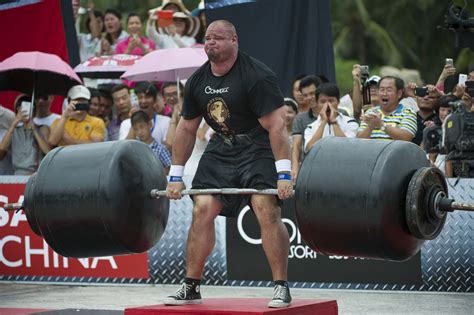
290	36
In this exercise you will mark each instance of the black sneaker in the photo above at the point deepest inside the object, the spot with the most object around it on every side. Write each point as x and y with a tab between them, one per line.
187	294
281	296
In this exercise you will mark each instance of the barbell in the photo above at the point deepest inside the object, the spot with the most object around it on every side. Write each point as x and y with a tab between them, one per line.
353	197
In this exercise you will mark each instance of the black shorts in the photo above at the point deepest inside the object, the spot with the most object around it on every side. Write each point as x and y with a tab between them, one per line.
245	161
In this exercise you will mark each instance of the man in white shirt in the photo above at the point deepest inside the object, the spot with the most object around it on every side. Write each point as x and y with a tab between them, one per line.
329	122
44	116
147	97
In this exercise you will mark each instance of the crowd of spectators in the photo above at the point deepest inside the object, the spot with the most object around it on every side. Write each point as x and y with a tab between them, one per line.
170	26
394	111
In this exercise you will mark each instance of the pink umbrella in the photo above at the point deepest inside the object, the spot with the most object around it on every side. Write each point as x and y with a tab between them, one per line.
106	67
37	72
167	65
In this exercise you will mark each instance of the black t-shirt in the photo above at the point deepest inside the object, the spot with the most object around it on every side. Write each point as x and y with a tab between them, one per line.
231	104
420	124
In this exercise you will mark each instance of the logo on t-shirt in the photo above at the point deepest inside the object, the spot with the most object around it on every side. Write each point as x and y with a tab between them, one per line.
209	90
218	111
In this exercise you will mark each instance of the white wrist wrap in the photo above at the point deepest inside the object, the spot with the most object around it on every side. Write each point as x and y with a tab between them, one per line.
283	166
176	170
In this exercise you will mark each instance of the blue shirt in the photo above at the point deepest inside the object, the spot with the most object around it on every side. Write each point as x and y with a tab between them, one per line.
161	153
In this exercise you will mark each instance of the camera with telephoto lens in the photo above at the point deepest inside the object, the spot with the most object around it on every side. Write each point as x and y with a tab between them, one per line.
432	137
458	133
364	76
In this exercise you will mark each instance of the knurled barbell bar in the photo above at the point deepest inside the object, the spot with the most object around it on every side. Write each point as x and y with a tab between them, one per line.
361	198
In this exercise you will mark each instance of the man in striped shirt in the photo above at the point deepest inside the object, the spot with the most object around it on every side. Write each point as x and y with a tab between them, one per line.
391	120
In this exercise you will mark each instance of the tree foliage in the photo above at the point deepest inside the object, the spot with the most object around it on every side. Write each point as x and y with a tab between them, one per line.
402	33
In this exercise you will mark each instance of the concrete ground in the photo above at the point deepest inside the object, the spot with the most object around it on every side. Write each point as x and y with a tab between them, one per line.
116	297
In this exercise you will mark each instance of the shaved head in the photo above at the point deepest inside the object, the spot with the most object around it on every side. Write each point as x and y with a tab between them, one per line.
221	43
229	27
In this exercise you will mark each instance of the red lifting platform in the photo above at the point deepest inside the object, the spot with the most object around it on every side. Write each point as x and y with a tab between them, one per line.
240	306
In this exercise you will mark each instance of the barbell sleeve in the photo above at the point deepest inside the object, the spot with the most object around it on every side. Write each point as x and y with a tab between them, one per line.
449	205
13	206
462	206
155	193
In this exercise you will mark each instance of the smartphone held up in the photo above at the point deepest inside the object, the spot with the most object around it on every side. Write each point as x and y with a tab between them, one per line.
26	109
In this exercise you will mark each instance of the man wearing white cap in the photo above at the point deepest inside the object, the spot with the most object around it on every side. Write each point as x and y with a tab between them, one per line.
75	126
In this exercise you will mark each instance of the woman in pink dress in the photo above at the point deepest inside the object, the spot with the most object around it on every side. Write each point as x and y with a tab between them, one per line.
135	44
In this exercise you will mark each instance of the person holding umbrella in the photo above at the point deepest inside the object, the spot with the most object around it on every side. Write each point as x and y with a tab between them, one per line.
25	140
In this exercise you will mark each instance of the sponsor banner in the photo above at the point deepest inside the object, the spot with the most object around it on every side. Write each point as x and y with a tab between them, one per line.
246	259
23	253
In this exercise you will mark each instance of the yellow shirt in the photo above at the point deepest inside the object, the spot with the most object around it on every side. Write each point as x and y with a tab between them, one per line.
83	130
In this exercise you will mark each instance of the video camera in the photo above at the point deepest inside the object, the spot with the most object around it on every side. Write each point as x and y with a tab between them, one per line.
458	21
455	139
364	76
458	133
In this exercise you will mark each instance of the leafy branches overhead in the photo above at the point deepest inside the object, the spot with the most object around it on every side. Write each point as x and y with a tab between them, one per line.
402	33
361	35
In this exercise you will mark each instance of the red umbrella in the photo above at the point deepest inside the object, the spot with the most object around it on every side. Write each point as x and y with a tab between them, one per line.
106	67
37	72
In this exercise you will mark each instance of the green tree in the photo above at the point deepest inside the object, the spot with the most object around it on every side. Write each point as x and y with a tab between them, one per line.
402	33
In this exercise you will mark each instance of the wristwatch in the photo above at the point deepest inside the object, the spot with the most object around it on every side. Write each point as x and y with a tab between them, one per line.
384	127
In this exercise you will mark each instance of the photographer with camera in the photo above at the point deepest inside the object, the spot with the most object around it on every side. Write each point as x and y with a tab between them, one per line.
176	35
448	70
426	99
466	91
76	126
432	135
458	139
25	140
364	90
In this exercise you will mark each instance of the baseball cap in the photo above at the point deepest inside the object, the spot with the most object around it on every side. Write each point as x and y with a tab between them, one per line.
373	79
79	91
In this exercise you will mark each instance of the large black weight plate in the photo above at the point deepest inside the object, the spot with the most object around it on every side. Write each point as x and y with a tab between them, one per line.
29	205
350	197
94	199
424	220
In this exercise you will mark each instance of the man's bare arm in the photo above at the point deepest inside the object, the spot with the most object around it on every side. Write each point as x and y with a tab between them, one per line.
184	139
274	123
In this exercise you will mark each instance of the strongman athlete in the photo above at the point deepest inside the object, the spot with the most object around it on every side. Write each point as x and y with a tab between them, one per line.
240	99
